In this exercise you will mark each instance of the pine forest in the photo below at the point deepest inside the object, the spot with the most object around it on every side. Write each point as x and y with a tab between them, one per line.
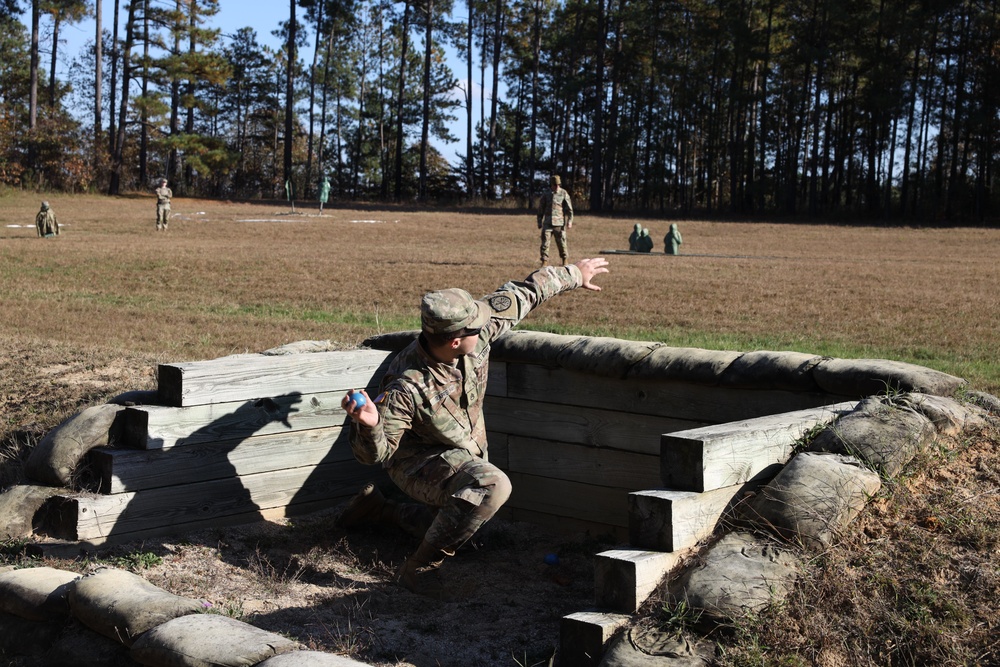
881	110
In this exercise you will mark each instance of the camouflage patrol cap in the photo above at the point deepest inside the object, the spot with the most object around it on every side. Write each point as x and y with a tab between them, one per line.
555	180
452	310
45	206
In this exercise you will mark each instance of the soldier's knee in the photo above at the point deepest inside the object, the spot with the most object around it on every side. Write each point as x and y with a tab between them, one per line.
499	491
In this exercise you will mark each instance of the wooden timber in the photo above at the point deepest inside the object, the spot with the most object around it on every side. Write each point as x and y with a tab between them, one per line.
128	516
250	377
713	457
583	635
159	427
581	425
624	578
596	466
676	400
123	470
575	500
668	520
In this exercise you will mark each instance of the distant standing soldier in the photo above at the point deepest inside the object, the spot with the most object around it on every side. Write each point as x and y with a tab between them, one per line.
633	238
163	195
645	242
672	241
555	217
324	192
46	222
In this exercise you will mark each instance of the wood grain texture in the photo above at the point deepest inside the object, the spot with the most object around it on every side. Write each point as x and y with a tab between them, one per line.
123	470
713	457
249	377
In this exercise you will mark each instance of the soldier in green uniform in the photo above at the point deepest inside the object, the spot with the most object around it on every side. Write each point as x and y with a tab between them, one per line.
672	241
163	195
45	222
426	426
555	218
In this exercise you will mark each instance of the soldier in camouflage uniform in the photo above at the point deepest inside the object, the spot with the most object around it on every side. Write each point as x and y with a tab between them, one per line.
163	195
426	426
555	217
45	221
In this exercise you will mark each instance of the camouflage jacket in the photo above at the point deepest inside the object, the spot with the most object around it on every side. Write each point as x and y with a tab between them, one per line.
426	406
46	223
163	196
555	209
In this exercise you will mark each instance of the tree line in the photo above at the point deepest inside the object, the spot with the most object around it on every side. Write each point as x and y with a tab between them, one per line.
884	109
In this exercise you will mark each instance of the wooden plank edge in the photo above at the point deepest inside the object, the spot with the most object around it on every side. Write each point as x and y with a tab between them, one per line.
584	635
625	578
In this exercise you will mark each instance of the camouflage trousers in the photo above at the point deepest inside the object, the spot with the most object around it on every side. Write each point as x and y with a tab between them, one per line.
466	490
162	216
559	233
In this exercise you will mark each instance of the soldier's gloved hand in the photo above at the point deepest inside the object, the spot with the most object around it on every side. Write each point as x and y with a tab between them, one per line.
366	415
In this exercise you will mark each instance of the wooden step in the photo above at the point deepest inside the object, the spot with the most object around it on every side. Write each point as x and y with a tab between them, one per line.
713	457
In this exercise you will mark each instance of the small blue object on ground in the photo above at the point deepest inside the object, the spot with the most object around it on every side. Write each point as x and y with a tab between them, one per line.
551	559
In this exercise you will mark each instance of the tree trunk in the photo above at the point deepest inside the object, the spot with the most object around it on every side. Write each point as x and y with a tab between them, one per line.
290	95
404	49
597	125
98	82
470	166
112	133
611	153
116	161
498	27
33	95
324	94
191	85
144	114
426	112
56	21
173	159
536	53
312	100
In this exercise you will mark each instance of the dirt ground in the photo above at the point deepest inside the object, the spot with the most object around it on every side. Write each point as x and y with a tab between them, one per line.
921	572
305	578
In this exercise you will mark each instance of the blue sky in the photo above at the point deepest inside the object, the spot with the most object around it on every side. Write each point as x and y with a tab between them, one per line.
263	17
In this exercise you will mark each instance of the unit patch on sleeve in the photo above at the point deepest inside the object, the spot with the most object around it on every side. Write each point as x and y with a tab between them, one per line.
501	304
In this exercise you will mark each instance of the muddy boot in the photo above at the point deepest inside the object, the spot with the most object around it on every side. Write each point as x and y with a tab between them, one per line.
365	508
418	574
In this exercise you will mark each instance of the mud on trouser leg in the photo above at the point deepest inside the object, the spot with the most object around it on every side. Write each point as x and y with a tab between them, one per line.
467	490
477	492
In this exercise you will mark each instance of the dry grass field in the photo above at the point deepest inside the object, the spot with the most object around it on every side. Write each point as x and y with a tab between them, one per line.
232	277
89	314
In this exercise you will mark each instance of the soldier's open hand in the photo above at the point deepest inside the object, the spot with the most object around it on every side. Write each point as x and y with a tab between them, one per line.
591	268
